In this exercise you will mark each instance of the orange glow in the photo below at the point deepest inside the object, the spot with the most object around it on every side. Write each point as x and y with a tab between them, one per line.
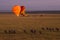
19	10
16	10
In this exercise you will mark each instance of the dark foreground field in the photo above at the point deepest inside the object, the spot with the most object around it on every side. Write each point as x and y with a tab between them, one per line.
32	27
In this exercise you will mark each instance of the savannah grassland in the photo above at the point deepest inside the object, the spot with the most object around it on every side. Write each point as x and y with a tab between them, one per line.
22	26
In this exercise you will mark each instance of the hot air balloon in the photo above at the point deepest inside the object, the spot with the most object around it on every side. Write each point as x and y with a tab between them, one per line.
16	10
22	12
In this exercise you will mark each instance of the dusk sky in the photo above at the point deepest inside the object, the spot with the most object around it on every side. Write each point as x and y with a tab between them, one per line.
31	5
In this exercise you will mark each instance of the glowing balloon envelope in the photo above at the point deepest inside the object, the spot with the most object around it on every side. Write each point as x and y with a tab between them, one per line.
16	9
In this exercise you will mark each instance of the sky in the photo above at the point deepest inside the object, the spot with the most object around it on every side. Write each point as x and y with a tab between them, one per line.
31	5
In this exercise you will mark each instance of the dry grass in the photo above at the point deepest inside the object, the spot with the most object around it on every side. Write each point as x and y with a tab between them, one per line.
32	21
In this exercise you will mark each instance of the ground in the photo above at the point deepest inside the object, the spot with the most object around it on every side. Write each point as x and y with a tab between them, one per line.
46	27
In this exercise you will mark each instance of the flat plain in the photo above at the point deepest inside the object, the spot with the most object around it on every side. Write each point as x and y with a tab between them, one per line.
31	27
